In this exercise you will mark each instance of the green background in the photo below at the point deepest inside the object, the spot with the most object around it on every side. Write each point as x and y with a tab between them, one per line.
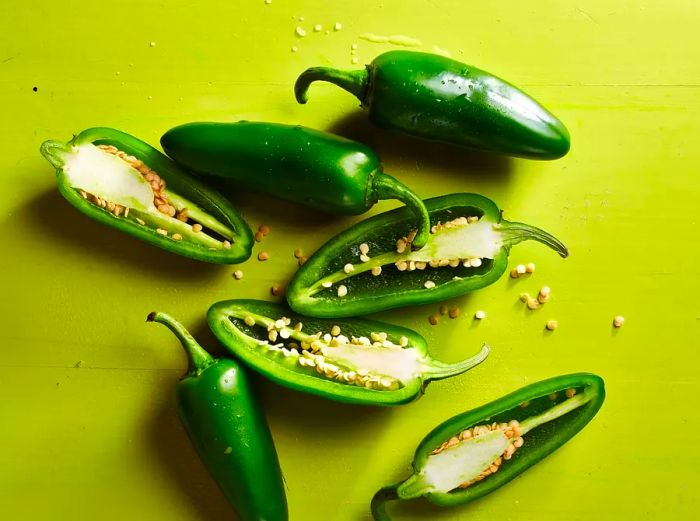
88	428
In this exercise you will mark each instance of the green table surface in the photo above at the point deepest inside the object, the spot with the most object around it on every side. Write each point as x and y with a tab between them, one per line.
88	427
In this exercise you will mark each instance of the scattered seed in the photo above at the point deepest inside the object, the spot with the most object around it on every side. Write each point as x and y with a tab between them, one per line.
161	231
570	393
264	229
480	315
552	325
376	271
348	268
335	330
342	290
227	245
618	321
364	258
454	312
530	268
250	321
429	284
514	273
301	261
258	236
337	26
443	309
295	48
543	295
318	28
300	32
276	290
364	248
521	269
238	274
327	284
532	303
263	256
433	319
298	253
178	237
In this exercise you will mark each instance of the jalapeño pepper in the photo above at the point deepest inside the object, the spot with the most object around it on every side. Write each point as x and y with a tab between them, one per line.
351	361
371	266
298	164
437	98
228	429
478	451
125	183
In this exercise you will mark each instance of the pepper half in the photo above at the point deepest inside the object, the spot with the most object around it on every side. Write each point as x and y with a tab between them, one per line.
294	163
440	99
228	429
474	453
467	249
352	361
125	183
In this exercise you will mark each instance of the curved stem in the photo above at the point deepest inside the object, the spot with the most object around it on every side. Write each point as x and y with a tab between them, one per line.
198	359
388	187
379	501
438	370
354	82
54	151
514	232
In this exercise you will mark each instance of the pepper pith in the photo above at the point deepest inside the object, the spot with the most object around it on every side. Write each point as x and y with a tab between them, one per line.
437	98
125	183
363	362
467	249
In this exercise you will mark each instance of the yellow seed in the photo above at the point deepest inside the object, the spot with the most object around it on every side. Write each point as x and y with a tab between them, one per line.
570	393
433	319
227	245
429	284
364	248
376	271
342	290
518	443
348	268
514	273
401	265
618	321
263	256
403	341
335	330
552	325
454	312
182	215
258	236
238	274
177	237
264	229
532	303
196	227
161	231
364	258
163	208
520	268
530	268
250	321
472	219
298	253
140	221
302	260
276	290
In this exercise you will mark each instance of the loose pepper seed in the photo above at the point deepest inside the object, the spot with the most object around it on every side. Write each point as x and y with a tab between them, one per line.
454	312
480	315
276	290
263	256
433	319
552	325
298	253
618	321
259	236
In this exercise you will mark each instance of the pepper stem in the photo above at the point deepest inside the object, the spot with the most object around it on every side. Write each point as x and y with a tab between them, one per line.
385	186
437	370
198	359
54	151
379	501
557	411
514	232
355	82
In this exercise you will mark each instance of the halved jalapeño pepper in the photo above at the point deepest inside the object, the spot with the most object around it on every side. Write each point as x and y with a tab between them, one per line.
352	361
371	266
127	184
478	451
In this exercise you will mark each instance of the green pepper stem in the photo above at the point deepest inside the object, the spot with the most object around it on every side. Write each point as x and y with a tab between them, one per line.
379	501
385	186
355	82
437	370
198	359
514	232
54	152
557	411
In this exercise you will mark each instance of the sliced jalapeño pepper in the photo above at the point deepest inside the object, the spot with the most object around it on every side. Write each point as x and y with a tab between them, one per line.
474	453
228	429
298	164
440	99
371	266
352	361
125	183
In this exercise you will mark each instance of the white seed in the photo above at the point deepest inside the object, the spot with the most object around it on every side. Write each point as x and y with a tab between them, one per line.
472	219
342	290
353	46
364	248
429	284
250	321
552	325
475	262
348	268
618	321
285	333
238	274
520	268
354	60
403	341
335	330
480	315
364	258
279	323
326	284
401	265
530	268
318	28
376	271
300	32
337	26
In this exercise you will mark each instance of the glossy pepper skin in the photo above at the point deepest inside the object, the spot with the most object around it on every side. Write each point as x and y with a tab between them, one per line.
366	293
298	164
440	99
228	429
227	321
213	210
544	436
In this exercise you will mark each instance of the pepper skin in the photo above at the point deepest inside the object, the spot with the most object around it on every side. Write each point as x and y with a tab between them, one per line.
228	429
298	164
457	258
547	414
103	173
440	99
381	371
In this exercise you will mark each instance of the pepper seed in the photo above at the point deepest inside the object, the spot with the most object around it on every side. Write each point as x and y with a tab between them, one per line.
161	231
429	284
263	256
258	236
238	274
335	330
454	312
364	248
177	237
348	268
196	227
264	229
480	315
530	268
342	290
433	319
298	253
376	271
618	321
276	290
250	321
552	325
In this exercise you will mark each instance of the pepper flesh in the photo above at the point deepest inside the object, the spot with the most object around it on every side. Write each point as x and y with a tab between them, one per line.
218	409
450	468
303	165
467	249
365	361
125	183
437	98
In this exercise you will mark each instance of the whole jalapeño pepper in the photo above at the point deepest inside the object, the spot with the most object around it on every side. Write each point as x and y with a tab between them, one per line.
294	163
440	99
125	183
352	361
474	453
371	267
228	429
